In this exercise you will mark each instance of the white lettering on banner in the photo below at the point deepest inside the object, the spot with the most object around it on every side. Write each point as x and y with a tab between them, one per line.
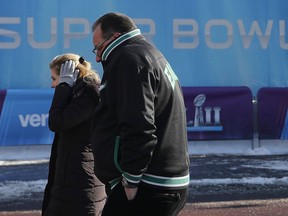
68	34
283	45
16	39
33	120
255	29
186	33
42	45
150	26
214	23
193	34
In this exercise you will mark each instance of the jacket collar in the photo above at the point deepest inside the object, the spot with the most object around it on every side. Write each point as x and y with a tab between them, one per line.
119	41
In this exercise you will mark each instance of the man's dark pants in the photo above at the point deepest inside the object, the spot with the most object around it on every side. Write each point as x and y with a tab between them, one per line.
149	201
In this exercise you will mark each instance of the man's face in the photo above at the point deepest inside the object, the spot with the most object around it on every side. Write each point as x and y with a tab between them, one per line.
99	42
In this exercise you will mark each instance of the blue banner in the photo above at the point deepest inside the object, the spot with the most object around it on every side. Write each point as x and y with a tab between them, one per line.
207	42
219	113
2	98
24	117
272	113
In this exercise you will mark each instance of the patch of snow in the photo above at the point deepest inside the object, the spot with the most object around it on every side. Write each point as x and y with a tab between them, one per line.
10	190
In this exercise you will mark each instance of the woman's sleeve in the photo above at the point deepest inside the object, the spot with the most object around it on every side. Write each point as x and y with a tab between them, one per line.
67	112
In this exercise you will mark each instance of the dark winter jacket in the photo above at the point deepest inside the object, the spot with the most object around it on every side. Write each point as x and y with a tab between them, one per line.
72	187
139	131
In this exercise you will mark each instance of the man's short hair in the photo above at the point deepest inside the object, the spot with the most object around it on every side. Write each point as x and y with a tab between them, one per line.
114	22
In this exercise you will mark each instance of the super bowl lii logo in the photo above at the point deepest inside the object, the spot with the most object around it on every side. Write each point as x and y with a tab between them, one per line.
205	118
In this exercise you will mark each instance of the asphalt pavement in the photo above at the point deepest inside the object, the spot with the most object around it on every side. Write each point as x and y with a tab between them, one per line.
214	179
228	178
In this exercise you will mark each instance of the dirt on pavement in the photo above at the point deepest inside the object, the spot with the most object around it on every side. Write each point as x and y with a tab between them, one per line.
277	207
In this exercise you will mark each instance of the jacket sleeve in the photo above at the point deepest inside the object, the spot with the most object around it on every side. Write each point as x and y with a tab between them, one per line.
135	109
67	112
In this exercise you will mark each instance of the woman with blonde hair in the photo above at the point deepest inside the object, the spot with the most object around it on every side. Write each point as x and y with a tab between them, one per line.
72	188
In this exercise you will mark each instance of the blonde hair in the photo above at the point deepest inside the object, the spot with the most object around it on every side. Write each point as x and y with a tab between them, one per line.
84	67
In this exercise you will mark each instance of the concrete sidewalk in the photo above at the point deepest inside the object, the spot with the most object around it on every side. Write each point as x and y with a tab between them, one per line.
25	152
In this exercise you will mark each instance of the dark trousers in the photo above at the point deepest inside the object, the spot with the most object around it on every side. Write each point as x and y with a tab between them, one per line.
149	201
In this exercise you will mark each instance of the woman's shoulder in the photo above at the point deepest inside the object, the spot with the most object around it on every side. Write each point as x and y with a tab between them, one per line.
92	79
88	84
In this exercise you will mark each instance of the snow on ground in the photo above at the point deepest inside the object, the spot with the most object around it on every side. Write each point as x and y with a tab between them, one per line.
23	155
239	147
11	190
274	165
25	152
251	180
230	147
22	162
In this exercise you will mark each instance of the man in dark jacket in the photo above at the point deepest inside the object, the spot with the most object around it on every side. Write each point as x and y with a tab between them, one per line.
139	130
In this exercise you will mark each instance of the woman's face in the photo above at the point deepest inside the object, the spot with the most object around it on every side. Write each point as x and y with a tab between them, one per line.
54	77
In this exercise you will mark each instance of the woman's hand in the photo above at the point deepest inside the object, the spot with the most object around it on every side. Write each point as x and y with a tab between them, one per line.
68	74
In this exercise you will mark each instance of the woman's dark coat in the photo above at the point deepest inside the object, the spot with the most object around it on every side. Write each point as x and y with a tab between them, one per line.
72	187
